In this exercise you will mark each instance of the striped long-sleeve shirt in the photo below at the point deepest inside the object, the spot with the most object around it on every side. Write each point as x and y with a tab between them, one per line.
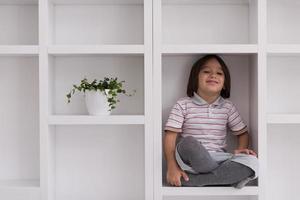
206	122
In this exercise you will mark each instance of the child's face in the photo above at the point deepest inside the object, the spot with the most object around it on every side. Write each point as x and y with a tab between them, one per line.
211	78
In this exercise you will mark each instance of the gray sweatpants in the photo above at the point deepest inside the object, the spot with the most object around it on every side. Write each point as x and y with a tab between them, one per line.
208	171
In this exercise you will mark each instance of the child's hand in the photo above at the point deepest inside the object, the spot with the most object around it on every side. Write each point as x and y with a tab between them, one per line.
174	175
245	151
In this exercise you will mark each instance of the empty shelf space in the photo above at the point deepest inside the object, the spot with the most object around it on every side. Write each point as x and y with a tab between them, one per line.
281	24
96	22
19	22
183	22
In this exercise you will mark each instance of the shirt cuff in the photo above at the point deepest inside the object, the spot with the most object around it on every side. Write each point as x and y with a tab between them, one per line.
240	132
176	130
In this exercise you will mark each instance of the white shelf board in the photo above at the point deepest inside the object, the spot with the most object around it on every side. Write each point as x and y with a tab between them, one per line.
211	48
283	118
19	50
19	184
95	49
20	189
192	2
19	2
209	191
283	49
88	119
92	2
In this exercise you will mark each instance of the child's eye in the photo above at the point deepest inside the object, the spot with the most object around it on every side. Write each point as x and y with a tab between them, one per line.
205	71
220	73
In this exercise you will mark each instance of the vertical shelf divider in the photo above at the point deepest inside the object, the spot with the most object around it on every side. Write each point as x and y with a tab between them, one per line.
262	95
148	103
157	101
46	178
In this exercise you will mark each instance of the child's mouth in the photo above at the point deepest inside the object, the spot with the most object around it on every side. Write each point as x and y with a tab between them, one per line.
212	82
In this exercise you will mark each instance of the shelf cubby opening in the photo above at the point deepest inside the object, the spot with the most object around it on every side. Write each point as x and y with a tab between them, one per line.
96	22
92	161
282	26
129	68
243	70
19	22
283	84
283	161
19	116
209	22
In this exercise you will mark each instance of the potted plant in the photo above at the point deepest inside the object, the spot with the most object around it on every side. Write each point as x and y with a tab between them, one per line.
100	95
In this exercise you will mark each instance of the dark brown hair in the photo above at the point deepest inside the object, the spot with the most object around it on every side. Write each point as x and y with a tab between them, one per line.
198	66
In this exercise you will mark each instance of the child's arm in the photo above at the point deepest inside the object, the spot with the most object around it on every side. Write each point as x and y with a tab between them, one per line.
174	173
243	142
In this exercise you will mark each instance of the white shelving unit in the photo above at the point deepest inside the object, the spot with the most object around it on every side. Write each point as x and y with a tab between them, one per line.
51	150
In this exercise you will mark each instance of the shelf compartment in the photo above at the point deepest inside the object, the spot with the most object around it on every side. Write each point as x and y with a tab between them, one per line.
209	48
244	91
129	68
210	191
86	119
86	156
19	116
112	18
18	50
183	22
18	22
283	161
283	84
95	49
282	28
284	118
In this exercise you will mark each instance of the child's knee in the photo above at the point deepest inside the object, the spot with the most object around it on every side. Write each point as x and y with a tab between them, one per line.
190	140
189	143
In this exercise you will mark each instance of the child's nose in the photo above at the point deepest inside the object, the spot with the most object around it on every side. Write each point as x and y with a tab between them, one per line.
213	75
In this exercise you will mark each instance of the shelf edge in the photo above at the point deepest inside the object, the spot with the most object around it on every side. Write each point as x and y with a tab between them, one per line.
210	191
90	120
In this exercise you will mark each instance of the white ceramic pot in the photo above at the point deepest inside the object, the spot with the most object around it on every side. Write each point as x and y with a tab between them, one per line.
96	103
